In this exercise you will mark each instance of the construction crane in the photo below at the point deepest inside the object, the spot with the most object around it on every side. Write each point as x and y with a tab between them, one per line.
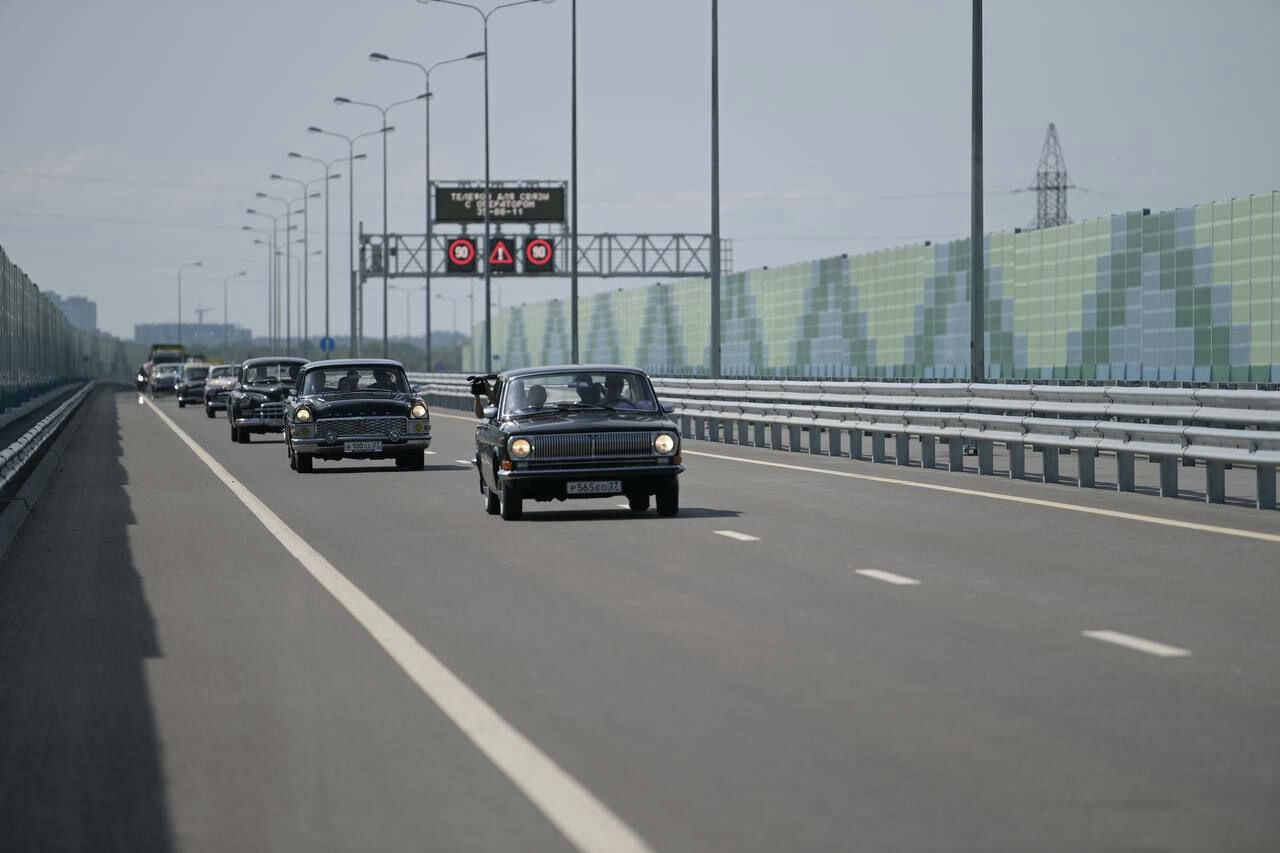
201	310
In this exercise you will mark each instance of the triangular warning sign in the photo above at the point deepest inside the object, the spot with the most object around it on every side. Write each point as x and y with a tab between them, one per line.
501	254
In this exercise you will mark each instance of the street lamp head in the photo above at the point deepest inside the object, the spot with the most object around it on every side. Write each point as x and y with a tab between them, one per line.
341	100
315	195
378	57
479	54
276	177
334	176
390	129
361	157
258	242
314	129
423	96
259	195
294	155
246	227
241	273
251	211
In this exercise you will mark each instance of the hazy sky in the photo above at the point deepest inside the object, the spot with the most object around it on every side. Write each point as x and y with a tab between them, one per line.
151	123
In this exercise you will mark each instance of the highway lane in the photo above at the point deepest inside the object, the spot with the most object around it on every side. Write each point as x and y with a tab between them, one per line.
728	694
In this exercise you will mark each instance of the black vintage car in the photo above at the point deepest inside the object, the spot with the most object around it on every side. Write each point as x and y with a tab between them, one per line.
190	385
356	409
577	431
256	404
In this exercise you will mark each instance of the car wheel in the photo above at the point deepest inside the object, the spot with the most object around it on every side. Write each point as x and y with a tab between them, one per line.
235	433
302	463
293	463
639	503
491	503
669	500
416	461
244	435
512	507
182	404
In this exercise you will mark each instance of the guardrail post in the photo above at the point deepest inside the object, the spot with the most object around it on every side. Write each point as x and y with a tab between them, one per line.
855	444
1085	477
686	426
833	442
902	448
775	436
928	451
744	434
1266	475
759	431
1124	471
986	456
1215	482
955	453
1017	460
1049	465
793	438
815	441
700	425
877	447
1168	476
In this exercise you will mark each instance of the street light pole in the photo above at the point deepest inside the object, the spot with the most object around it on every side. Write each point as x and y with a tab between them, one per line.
427	247
488	281
354	344
225	321
270	260
715	189
977	291
327	178
180	269
573	183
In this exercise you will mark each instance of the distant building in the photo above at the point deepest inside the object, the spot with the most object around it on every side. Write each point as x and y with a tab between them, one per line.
193	334
79	311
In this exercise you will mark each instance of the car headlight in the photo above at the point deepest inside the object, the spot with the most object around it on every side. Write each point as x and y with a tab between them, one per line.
521	448
419	409
302	414
664	444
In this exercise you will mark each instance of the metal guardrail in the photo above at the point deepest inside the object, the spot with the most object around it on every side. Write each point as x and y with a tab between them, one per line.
1169	426
16	456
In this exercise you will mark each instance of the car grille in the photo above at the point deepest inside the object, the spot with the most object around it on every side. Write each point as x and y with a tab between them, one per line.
589	445
347	427
271	410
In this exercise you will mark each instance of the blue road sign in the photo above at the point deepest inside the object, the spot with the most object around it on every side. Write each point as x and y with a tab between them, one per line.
326	344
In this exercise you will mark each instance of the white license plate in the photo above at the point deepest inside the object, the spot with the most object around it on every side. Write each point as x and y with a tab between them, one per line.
594	487
361	446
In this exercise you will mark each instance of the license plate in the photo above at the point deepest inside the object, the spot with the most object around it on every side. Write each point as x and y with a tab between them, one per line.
594	487
361	446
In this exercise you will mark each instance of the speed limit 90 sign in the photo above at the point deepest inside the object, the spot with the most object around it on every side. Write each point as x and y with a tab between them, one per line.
461	255
539	256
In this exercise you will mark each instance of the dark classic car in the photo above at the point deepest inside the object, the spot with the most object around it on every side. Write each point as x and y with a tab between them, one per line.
163	378
578	431
256	404
190	385
356	409
217	387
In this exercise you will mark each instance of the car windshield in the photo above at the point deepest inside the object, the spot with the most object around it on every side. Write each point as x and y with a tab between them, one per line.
195	373
346	380
166	369
608	389
282	371
222	372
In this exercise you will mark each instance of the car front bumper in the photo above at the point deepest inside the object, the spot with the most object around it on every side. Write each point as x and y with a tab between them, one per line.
323	449
261	423
550	483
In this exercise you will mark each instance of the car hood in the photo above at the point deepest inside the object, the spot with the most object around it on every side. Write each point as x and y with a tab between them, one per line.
270	391
589	422
352	407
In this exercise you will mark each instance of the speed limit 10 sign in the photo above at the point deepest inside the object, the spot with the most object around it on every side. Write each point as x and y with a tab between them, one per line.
461	255
539	256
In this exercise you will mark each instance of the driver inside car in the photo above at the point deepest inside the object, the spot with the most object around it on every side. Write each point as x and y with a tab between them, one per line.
536	398
614	384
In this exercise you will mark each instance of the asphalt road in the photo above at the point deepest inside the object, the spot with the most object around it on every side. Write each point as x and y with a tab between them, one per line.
173	677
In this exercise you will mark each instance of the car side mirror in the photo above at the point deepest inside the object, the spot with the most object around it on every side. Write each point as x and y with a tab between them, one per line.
667	408
489	413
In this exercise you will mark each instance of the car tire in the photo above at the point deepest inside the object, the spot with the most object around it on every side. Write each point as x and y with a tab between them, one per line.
668	499
235	433
511	507
639	503
244	435
491	503
182	404
302	463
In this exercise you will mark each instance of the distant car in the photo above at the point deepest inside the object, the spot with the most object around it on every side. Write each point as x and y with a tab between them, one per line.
256	403
564	433
190	384
356	409
217	387
164	378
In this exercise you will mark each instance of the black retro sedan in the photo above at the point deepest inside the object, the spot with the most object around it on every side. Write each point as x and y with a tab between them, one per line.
560	433
356	409
256	403
190	384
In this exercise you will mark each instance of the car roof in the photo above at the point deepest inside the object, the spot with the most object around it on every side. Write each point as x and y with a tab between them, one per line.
566	368
273	359
354	362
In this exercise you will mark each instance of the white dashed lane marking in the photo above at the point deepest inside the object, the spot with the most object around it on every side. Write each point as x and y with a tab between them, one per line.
888	577
463	461
1138	644
733	534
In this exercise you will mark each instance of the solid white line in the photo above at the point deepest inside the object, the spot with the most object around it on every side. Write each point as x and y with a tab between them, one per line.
586	822
888	577
996	496
463	461
1138	644
733	534
429	452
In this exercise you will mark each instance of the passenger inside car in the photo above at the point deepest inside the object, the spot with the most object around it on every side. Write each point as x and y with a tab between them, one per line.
348	383
382	380
588	391
536	398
